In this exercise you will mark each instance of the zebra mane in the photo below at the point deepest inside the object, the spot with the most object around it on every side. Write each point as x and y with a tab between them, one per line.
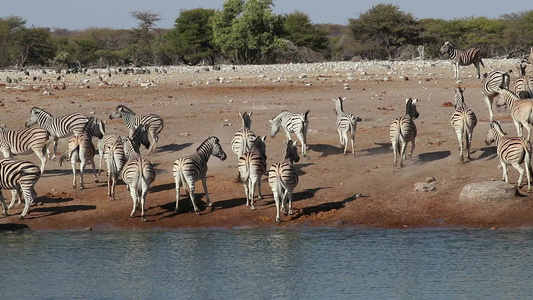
209	140
497	127
89	124
35	110
124	108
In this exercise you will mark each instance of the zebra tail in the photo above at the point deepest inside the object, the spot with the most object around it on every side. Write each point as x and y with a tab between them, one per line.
45	146
184	182
305	114
64	157
481	61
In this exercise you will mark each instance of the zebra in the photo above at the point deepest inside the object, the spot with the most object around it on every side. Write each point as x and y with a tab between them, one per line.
58	127
20	177
282	179
489	85
81	149
138	173
153	123
403	130
291	123
345	122
187	170
521	111
523	85
464	121
243	140
25	141
252	166
511	151
462	57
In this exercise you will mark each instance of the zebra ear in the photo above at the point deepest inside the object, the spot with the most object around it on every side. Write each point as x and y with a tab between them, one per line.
241	114
250	114
264	138
342	99
407	100
295	143
415	100
271	121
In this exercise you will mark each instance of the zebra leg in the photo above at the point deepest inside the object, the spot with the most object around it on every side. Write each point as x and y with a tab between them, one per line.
191	194
154	141
476	64
110	186
42	157
134	197
403	146
412	148
82	168
73	166
353	141
95	173
518	126
28	198
460	138
289	196
504	170
345	141
251	189
284	201
340	138
277	200
4	209
204	183
55	148
517	166
144	194
246	191
395	152
14	197
177	181
456	70
259	193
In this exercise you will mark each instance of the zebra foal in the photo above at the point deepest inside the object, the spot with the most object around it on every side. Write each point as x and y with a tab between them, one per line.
187	170
491	83
345	123
20	177
462	57
291	123
252	166
25	141
243	140
153	123
403	130
463	121
511	151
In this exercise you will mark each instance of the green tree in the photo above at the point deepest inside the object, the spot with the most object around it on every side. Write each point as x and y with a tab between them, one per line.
35	45
385	26
144	36
191	38
297	28
518	32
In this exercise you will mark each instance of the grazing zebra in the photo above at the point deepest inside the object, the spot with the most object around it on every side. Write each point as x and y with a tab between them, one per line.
138	173
243	140
25	141
521	111
58	127
153	123
188	170
403	130
345	122
252	166
491	82
81	149
20	177
463	121
523	85
462	57
291	123
511	151
283	179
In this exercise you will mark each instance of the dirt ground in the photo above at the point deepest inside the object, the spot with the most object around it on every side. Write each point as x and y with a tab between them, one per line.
195	105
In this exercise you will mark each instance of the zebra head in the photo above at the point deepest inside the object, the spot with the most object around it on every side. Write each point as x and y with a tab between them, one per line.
3	127
291	152
446	48
34	116
260	146
459	98
120	111
275	124
494	133
246	119
140	137
410	108
217	149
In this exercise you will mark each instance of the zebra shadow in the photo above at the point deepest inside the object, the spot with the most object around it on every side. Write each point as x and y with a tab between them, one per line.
486	152
299	167
324	207
163	187
325	149
268	199
62	172
173	147
432	156
184	206
382	148
57	210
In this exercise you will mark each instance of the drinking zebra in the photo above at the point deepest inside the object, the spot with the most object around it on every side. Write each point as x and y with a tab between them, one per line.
464	121
25	141
243	140
283	179
19	177
252	166
489	85
345	122
138	173
462	57
153	123
511	151
188	170
58	127
403	130
523	85
521	111
291	123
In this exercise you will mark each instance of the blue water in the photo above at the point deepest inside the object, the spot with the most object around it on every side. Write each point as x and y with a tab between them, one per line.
268	264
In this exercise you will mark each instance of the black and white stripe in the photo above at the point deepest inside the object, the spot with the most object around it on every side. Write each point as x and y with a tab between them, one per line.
490	84
462	57
291	123
243	139
345	123
188	170
25	141
403	130
19	177
511	151
282	179
463	121
152	122
523	85
252	166
521	111
58	127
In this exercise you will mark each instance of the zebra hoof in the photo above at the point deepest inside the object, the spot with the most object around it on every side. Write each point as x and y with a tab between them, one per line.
209	204
197	212
96	180
21	217
278	220
143	219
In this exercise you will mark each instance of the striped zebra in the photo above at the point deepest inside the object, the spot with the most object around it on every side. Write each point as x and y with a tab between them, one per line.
19	177
345	123
521	111
291	123
403	130
81	149
243	140
252	166
25	141
58	127
491	82
463	121
138	173
283	179
462	57
188	170
153	123
511	151
523	85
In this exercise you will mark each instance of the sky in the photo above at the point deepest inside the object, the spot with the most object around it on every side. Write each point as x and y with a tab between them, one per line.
116	14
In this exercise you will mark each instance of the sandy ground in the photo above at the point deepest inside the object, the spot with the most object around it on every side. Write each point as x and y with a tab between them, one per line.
200	103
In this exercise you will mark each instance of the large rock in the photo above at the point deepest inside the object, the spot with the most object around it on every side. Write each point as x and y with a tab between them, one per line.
488	191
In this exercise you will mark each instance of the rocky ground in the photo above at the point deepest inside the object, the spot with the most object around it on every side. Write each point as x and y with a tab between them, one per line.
334	190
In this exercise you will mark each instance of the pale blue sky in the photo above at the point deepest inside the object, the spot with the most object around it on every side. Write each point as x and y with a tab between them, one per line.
81	14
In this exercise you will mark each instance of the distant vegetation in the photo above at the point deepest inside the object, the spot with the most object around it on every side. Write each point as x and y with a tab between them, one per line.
248	32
